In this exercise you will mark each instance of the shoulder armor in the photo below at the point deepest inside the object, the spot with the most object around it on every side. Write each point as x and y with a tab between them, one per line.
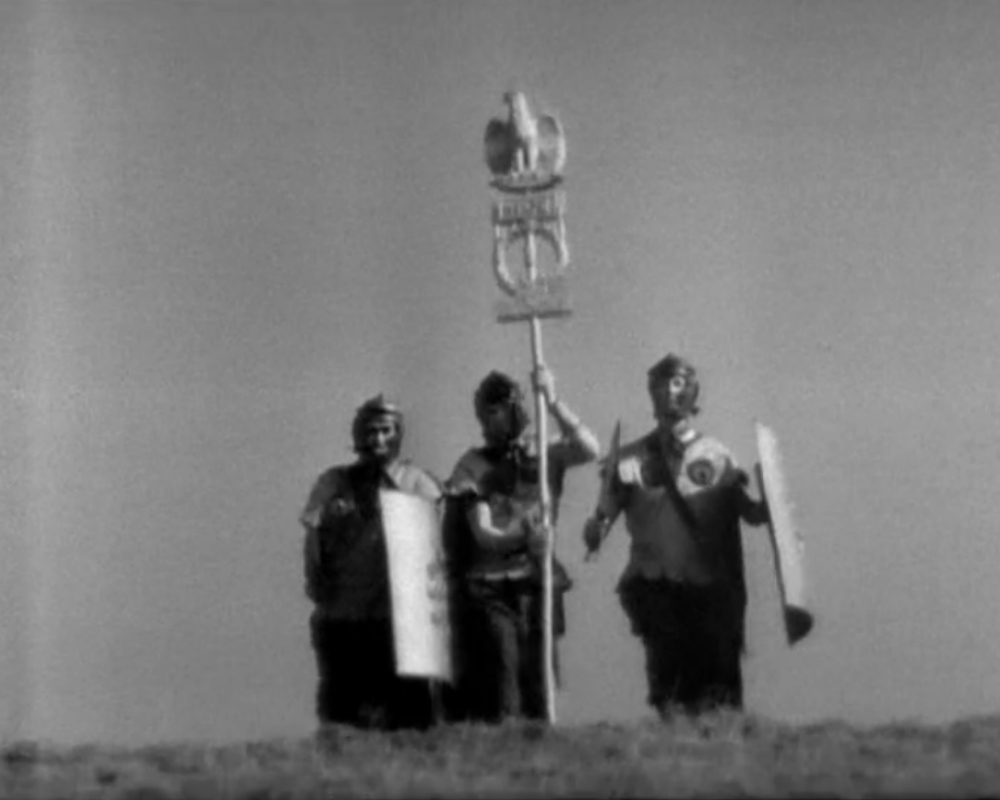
707	463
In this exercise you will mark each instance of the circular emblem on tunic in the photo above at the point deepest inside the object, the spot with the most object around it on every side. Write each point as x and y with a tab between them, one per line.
701	472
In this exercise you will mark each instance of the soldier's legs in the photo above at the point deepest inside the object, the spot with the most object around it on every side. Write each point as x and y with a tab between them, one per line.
375	665
532	648
469	697
651	606
719	649
333	703
354	660
711	675
508	666
410	703
499	660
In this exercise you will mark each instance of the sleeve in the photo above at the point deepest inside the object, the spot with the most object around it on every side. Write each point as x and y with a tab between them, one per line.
311	562
577	445
466	478
324	490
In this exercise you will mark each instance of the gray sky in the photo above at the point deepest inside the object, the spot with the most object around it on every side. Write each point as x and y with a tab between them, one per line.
224	225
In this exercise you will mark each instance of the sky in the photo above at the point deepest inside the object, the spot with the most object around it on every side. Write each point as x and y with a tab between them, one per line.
224	225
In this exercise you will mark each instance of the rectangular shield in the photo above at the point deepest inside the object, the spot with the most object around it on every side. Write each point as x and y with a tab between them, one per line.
418	586
786	539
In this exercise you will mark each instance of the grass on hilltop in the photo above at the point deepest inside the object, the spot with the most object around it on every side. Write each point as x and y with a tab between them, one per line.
724	754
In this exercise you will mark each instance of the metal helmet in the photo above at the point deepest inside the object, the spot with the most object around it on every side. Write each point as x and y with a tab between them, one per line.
670	365
371	409
496	389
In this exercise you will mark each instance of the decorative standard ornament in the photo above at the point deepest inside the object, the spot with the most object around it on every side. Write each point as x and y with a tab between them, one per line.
526	154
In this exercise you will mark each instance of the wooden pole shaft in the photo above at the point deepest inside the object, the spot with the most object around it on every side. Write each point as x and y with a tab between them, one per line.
541	418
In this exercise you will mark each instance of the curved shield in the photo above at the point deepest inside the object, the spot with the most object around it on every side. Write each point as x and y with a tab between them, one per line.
786	539
418	582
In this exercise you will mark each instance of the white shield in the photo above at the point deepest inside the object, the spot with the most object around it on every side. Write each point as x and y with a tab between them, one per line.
786	540
421	620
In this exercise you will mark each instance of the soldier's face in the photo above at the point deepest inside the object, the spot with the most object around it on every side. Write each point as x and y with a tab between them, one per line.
498	423
381	439
672	398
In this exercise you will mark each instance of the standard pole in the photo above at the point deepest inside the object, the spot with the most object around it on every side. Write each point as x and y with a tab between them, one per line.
541	418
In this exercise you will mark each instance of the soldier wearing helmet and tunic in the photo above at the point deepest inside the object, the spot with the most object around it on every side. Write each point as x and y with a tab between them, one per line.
495	488
346	577
683	496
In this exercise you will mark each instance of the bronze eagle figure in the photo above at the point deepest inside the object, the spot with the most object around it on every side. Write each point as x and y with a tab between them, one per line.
524	144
